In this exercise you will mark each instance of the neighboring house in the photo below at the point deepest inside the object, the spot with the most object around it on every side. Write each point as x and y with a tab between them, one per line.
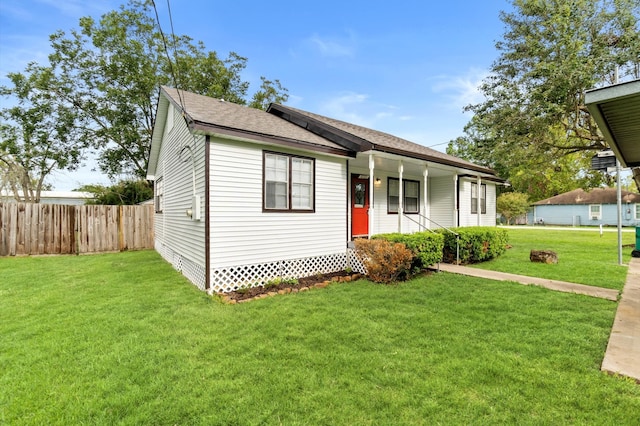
596	207
244	196
54	197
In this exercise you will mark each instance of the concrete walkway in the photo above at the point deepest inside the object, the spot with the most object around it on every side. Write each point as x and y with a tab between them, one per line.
623	350
603	293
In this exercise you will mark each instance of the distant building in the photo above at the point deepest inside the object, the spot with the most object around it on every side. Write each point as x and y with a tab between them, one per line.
578	207
53	197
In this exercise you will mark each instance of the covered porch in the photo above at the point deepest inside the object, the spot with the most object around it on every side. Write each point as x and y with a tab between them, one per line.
390	192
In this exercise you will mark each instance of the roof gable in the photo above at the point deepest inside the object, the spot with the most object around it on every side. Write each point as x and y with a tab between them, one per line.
209	115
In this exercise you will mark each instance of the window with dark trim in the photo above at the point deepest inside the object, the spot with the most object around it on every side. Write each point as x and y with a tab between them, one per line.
410	194
474	198
288	183
159	195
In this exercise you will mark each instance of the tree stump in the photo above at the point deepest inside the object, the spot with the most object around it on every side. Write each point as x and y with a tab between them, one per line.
543	256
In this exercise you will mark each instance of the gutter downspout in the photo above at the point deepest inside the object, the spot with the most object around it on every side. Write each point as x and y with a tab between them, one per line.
207	214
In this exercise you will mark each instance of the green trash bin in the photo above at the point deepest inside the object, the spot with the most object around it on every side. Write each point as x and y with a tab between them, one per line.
638	238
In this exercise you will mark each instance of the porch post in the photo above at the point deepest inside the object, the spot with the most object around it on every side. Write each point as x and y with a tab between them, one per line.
425	213
400	196
371	182
479	200
455	200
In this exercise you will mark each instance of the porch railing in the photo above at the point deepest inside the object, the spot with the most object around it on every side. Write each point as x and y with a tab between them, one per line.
423	227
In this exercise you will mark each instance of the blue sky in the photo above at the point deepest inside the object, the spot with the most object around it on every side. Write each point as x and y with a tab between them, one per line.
405	67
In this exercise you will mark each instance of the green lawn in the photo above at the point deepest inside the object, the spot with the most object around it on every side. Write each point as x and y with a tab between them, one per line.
584	257
124	339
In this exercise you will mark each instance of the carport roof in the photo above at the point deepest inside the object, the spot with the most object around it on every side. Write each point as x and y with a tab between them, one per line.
616	110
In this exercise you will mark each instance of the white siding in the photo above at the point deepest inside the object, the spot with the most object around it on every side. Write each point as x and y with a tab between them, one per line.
173	228
466	217
490	218
441	198
242	234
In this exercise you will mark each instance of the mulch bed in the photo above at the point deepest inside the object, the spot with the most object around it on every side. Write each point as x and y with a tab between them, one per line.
304	284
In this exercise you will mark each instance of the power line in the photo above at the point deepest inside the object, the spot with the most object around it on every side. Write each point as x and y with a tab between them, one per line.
166	50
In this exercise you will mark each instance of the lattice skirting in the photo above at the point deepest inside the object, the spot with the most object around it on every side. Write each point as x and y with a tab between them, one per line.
194	272
234	277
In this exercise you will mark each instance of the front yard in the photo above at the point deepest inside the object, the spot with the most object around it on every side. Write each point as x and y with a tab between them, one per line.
122	338
584	256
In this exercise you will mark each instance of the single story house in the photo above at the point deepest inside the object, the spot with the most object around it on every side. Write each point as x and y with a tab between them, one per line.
599	206
243	196
75	198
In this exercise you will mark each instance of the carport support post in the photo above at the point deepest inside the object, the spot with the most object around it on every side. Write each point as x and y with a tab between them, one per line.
619	192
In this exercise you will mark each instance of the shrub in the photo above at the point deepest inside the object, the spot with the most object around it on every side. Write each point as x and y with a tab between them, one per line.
385	261
477	244
426	246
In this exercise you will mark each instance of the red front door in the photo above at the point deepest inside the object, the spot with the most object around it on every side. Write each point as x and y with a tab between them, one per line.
359	207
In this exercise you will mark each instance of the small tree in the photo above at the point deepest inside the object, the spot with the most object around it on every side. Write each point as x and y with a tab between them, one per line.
512	204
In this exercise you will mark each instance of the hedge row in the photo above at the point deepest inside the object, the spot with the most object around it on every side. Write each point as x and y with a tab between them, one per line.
477	244
427	247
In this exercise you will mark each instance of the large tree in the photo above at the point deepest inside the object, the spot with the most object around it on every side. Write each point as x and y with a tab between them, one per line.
551	53
108	73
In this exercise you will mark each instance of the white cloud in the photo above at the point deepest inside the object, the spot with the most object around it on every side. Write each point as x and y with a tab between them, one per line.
334	46
348	107
461	90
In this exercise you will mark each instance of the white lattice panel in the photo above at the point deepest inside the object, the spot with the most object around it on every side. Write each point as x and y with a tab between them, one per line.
233	278
194	272
355	263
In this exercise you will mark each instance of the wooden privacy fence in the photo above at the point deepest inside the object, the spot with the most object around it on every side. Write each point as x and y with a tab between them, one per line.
29	229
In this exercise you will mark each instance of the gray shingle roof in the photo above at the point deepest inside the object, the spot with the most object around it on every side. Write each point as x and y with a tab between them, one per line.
285	124
381	141
212	114
594	196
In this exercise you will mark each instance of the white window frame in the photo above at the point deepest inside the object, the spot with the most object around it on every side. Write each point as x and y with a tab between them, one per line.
159	195
595	216
298	180
637	211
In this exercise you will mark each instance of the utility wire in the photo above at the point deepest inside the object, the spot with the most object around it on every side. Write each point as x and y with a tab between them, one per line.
166	50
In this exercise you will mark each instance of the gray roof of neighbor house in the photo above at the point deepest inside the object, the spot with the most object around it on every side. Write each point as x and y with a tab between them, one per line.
595	196
361	138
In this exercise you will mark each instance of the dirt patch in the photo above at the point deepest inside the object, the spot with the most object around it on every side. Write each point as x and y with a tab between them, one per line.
303	284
